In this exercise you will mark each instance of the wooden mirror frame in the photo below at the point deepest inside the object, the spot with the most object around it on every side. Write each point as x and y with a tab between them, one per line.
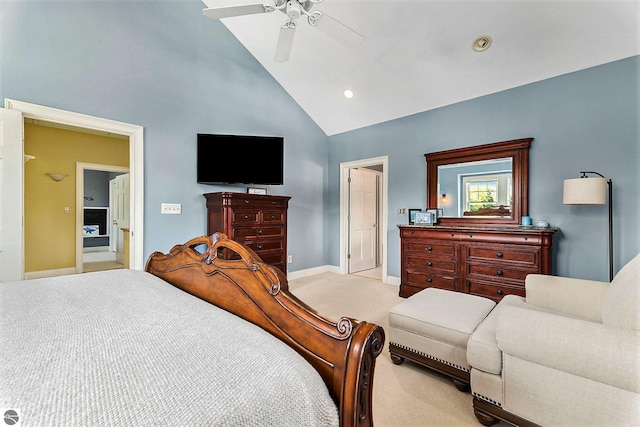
517	150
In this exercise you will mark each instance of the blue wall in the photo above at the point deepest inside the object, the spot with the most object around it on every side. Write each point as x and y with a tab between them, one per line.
164	66
586	120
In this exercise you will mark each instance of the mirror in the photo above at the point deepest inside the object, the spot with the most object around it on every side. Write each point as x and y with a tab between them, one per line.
481	185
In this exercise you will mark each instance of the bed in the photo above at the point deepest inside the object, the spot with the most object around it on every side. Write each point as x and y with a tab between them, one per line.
178	344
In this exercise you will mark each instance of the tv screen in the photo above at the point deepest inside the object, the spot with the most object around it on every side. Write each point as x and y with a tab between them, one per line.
240	159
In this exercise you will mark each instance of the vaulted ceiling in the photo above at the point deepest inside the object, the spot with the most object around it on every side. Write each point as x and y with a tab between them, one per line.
417	55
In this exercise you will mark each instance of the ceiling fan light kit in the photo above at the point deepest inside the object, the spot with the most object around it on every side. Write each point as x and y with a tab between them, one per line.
293	9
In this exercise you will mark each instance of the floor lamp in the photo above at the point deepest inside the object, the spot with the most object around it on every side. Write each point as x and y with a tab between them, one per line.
592	191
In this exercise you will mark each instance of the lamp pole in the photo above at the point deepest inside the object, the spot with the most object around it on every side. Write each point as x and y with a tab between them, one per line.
610	185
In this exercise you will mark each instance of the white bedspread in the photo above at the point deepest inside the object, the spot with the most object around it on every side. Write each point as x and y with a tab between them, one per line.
125	348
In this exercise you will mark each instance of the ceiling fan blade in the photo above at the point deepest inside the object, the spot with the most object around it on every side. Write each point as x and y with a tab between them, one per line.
285	41
228	8
334	28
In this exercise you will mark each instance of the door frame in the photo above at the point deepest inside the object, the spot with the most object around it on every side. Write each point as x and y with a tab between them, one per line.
80	168
344	209
134	133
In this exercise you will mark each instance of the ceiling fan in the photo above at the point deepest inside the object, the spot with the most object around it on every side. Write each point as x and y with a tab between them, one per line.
219	9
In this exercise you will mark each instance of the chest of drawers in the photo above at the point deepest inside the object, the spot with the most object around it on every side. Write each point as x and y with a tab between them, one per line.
257	221
486	261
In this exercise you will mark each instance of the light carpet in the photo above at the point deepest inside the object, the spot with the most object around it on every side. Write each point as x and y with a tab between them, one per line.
404	395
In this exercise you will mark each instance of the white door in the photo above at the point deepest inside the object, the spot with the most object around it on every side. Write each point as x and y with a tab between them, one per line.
12	161
362	220
119	203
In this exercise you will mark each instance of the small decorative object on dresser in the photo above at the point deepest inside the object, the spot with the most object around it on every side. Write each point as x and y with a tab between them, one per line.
254	190
435	213
412	215
257	221
424	218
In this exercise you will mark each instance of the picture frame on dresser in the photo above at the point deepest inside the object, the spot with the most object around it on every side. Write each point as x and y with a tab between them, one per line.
424	218
412	215
435	213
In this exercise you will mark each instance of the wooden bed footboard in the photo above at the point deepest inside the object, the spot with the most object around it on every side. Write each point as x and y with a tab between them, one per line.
343	352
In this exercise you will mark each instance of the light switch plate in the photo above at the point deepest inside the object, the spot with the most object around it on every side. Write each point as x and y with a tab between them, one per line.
171	209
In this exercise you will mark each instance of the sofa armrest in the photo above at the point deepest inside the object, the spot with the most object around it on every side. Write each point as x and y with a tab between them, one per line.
591	350
575	297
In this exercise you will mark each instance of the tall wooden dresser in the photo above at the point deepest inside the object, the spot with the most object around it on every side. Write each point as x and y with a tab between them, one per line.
487	261
258	221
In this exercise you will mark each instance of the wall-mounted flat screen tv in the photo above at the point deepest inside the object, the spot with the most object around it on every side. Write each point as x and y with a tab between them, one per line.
240	159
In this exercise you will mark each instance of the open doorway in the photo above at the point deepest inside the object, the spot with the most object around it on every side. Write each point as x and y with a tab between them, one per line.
103	193
363	217
364	244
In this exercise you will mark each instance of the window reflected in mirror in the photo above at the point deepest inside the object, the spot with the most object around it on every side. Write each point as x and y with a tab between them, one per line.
483	188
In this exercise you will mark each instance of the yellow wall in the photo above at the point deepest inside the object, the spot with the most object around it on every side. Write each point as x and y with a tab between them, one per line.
49	232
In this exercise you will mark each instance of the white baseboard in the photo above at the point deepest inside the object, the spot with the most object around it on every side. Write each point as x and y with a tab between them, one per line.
96	249
392	280
49	273
293	275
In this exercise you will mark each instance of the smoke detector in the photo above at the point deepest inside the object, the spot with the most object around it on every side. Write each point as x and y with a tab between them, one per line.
481	44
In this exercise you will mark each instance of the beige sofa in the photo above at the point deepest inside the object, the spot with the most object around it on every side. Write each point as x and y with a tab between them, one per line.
567	355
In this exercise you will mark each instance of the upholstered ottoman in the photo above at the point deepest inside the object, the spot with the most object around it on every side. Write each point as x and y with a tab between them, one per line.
432	328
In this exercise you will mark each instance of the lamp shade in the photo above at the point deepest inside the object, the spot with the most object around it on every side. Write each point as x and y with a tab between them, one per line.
585	191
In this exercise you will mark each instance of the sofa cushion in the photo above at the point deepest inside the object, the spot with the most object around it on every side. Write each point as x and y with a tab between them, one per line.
482	348
621	307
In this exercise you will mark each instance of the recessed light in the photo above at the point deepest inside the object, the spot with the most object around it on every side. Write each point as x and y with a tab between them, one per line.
481	44
348	93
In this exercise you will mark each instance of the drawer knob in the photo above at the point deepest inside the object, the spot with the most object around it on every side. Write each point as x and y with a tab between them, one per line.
259	246
429	248
499	254
259	231
246	217
429	280
500	292
430	264
246	201
499	272
273	217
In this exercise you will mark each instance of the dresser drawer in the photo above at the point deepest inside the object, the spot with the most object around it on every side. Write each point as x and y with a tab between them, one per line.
499	272
267	256
257	201
243	234
272	217
433	248
249	217
265	245
424	280
504	254
428	264
494	290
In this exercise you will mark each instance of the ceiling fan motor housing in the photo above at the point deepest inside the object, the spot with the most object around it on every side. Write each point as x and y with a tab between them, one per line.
295	8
